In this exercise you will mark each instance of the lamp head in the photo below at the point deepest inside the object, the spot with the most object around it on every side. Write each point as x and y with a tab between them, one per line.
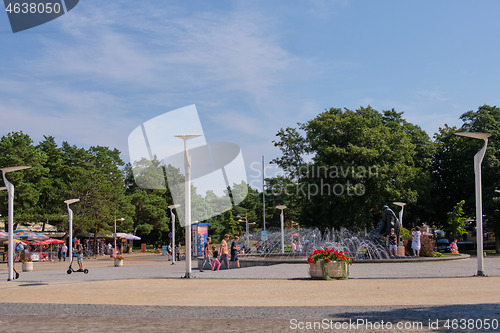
70	201
400	204
174	206
187	137
475	135
281	207
3	188
14	168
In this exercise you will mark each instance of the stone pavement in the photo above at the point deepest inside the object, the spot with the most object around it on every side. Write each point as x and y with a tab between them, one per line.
148	295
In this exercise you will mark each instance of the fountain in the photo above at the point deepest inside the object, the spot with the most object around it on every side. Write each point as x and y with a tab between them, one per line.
359	246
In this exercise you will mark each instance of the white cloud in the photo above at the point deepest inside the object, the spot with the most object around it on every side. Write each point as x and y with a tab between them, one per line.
231	51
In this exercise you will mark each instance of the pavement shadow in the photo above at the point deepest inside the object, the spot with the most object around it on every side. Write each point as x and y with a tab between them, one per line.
456	318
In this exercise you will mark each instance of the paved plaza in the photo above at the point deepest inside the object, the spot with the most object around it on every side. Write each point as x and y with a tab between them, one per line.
149	295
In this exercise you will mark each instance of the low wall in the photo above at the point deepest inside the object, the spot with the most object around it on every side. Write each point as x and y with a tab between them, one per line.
275	259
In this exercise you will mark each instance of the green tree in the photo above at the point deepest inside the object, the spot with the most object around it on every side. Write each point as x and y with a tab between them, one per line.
487	120
359	161
18	150
456	220
453	176
150	219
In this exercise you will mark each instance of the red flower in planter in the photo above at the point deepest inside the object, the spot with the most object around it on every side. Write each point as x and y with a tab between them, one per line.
328	255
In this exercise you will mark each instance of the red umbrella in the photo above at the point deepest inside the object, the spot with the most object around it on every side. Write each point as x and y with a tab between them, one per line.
48	241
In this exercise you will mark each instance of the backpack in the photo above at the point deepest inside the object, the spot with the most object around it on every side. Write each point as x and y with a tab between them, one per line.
19	247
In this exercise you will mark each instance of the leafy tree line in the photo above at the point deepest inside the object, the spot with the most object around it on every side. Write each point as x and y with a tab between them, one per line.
342	166
106	188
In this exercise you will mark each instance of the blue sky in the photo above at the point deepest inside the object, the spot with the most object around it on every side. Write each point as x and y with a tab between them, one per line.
251	67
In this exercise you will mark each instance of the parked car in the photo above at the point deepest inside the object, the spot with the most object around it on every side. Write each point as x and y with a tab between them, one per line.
443	245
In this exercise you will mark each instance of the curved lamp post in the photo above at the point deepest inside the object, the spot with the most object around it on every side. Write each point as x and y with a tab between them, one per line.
282	219
172	217
187	200
114	236
70	214
247	231
478	158
402	205
10	189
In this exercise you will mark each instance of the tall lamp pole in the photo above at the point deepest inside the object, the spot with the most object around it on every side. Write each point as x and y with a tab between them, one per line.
10	189
263	195
402	205
282	219
247	231
478	159
70	214
114	236
172	217
187	200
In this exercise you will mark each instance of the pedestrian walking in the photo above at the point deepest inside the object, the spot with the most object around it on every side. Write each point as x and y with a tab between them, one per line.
454	247
215	258
299	246
415	243
169	251
392	242
178	252
234	252
18	247
224	251
64	250
206	254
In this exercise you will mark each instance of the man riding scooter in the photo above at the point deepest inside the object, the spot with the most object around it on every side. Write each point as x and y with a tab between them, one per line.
79	250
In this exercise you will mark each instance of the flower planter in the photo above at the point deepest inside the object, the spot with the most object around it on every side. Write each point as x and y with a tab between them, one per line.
27	266
333	270
118	263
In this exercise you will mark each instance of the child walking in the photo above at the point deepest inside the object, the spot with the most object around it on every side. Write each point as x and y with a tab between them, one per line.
215	258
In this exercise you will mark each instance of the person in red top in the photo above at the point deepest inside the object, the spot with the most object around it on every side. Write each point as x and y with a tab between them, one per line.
454	247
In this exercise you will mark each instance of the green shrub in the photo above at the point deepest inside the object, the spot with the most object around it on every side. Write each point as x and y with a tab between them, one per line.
426	246
405	233
438	254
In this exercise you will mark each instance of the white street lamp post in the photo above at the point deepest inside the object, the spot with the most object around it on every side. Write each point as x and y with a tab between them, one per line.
247	231
114	236
282	219
478	159
402	205
187	201
70	231
10	189
172	217
263	196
